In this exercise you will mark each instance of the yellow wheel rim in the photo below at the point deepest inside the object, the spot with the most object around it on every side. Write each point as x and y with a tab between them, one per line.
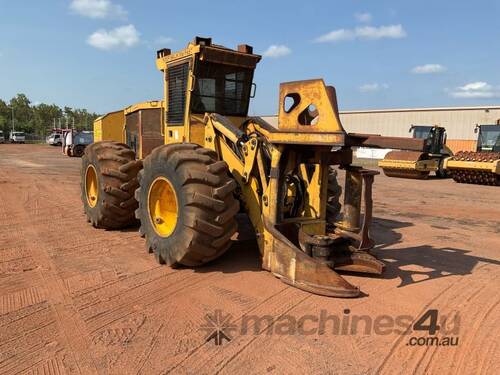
91	186
162	206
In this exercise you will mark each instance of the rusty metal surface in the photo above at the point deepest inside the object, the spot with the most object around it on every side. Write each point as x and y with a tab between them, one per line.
475	176
150	127
308	106
221	55
358	261
477	156
132	131
404	155
352	201
351	226
378	141
295	267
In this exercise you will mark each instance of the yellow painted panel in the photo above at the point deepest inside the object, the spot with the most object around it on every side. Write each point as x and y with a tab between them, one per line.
110	127
152	104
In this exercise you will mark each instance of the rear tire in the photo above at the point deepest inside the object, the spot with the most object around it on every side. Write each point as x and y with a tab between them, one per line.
109	201
199	195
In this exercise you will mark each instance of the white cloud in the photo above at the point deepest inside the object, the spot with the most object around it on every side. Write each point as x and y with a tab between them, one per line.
336	36
479	89
372	87
364	33
429	69
120	37
98	9
277	50
363	17
371	32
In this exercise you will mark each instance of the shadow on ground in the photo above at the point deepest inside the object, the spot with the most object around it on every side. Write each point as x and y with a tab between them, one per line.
419	263
243	255
411	265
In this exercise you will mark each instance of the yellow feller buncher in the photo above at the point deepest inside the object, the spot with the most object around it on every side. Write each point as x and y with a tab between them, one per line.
481	167
417	159
216	161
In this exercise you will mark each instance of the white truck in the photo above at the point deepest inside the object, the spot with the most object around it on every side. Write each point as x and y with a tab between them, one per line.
17	137
55	139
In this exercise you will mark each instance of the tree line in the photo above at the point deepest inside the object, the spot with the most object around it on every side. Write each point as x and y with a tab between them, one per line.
39	119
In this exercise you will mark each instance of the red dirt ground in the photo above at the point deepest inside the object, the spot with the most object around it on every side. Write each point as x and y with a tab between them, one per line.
74	299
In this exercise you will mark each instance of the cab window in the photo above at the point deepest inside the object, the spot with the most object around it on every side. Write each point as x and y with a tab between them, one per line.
221	89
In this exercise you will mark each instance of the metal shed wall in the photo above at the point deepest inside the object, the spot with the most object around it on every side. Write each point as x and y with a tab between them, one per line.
458	121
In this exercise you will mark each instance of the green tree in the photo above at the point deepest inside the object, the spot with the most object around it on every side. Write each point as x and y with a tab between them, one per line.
4	117
44	116
39	119
84	119
23	113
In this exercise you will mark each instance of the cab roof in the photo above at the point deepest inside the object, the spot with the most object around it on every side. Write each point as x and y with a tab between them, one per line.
207	51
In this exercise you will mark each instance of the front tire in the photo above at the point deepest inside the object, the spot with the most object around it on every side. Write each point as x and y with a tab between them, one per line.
108	181
186	204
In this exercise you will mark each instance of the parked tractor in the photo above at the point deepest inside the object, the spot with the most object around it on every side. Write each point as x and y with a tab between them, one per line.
420	162
482	166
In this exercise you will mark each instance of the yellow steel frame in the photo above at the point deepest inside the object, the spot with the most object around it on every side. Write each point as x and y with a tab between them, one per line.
493	167
420	165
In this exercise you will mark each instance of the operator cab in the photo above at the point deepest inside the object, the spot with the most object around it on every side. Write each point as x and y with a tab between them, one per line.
205	78
421	131
222	89
435	137
488	138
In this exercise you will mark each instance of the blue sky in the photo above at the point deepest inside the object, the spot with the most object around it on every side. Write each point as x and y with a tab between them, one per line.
99	54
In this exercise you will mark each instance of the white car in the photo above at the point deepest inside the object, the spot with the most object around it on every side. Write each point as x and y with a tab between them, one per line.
2	139
55	139
17	137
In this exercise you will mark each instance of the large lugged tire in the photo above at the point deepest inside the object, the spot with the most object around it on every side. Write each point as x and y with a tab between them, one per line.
333	205
108	182
78	151
186	204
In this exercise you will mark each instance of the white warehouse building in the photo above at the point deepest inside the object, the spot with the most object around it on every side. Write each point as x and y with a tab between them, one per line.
458	121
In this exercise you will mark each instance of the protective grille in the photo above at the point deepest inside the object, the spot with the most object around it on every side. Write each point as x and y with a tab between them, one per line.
177	85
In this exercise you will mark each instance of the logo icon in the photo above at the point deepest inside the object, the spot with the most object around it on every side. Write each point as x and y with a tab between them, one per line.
218	327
